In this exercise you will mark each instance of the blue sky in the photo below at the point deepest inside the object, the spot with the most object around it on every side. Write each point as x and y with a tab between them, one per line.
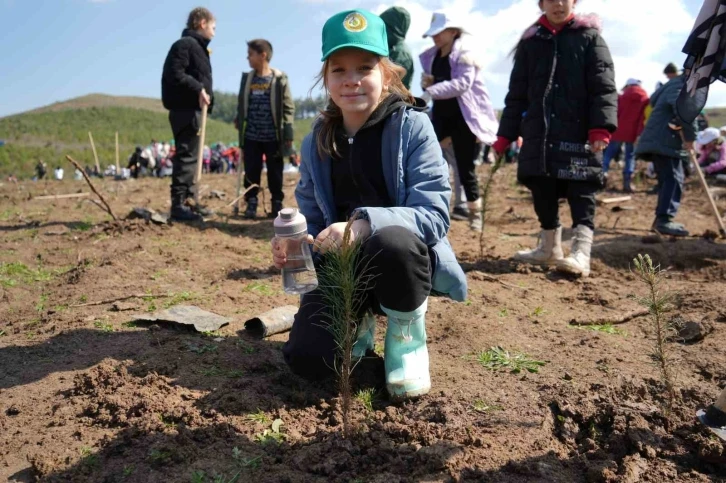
59	49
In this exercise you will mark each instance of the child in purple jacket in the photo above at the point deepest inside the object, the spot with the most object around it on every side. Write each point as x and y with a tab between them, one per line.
462	110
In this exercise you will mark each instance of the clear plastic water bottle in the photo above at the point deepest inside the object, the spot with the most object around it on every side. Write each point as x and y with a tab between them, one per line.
298	274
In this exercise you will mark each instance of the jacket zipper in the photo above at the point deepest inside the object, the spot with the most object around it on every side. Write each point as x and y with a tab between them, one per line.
547	91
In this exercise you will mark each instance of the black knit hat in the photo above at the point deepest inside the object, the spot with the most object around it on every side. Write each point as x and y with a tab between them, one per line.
670	69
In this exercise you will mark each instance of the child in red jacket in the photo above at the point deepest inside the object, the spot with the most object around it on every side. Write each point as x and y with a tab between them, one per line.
631	120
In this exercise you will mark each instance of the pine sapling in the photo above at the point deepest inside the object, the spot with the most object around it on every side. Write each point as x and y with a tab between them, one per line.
658	302
343	280
486	189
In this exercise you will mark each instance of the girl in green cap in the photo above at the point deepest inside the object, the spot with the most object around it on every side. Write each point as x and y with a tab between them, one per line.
373	155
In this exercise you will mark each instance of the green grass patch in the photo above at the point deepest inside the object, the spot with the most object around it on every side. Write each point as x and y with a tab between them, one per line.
482	406
366	398
497	358
201	349
604	328
17	273
103	326
178	298
258	417
259	288
538	312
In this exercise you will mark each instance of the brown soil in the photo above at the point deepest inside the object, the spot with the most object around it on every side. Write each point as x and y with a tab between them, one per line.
86	396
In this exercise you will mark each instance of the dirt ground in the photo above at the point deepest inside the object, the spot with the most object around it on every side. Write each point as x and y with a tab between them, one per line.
88	395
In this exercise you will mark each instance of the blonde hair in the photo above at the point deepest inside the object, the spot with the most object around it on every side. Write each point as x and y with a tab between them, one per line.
331	117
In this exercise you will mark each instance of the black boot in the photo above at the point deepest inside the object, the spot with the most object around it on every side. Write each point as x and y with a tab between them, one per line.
181	212
251	211
276	207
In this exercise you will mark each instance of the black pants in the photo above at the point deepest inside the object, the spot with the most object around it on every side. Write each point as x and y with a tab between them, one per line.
402	268
466	150
185	126
253	167
547	192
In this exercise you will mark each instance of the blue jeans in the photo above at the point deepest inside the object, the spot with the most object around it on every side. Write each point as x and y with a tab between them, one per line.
610	153
670	186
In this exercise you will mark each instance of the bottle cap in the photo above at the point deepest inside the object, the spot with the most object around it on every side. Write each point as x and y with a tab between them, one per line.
290	222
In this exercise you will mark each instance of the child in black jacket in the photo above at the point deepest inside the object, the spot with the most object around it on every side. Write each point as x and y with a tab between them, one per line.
186	86
562	100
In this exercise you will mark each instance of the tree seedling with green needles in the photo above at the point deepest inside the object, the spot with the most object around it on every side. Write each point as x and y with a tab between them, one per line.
343	282
658	301
497	358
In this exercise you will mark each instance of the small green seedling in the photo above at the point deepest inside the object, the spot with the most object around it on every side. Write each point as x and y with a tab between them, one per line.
3	333
128	470
538	312
503	313
497	358
258	417
243	462
482	406
272	435
103	326
201	349
366	398
88	458
245	347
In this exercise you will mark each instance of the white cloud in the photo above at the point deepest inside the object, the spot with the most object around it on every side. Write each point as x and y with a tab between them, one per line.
643	35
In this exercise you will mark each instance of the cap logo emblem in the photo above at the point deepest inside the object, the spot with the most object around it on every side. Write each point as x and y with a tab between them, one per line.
355	22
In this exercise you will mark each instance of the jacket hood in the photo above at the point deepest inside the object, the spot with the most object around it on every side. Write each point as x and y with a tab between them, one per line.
584	21
398	21
193	33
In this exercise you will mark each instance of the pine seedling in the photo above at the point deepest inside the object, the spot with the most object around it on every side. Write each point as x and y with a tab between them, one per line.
486	189
343	280
658	301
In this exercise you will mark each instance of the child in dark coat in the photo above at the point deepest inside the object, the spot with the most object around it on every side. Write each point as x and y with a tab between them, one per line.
562	100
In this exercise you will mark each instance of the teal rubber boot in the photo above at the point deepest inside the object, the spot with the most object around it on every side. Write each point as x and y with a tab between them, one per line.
365	337
406	357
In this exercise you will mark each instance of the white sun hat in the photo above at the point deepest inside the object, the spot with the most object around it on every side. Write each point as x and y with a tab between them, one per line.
632	82
441	21
707	135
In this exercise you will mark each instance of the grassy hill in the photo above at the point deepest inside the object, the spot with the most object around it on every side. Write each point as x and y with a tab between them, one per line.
51	132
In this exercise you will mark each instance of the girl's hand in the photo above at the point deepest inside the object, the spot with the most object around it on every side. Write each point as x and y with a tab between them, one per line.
598	146
332	237
279	254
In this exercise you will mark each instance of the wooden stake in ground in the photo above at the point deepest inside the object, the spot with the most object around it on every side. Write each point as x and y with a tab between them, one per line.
702	178
93	188
60	197
200	153
95	155
118	166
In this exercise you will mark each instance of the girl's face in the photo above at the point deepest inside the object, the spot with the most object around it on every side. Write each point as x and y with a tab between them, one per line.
355	81
557	11
207	28
444	38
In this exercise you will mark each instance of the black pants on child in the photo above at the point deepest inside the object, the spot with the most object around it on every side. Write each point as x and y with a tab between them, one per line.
185	126
547	192
466	151
253	151
401	266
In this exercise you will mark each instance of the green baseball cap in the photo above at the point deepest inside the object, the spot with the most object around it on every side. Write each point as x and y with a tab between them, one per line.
355	28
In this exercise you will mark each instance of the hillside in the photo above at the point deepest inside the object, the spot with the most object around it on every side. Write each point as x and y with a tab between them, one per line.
103	100
51	132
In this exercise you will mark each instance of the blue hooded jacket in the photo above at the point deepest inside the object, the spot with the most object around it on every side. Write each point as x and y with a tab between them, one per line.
417	179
